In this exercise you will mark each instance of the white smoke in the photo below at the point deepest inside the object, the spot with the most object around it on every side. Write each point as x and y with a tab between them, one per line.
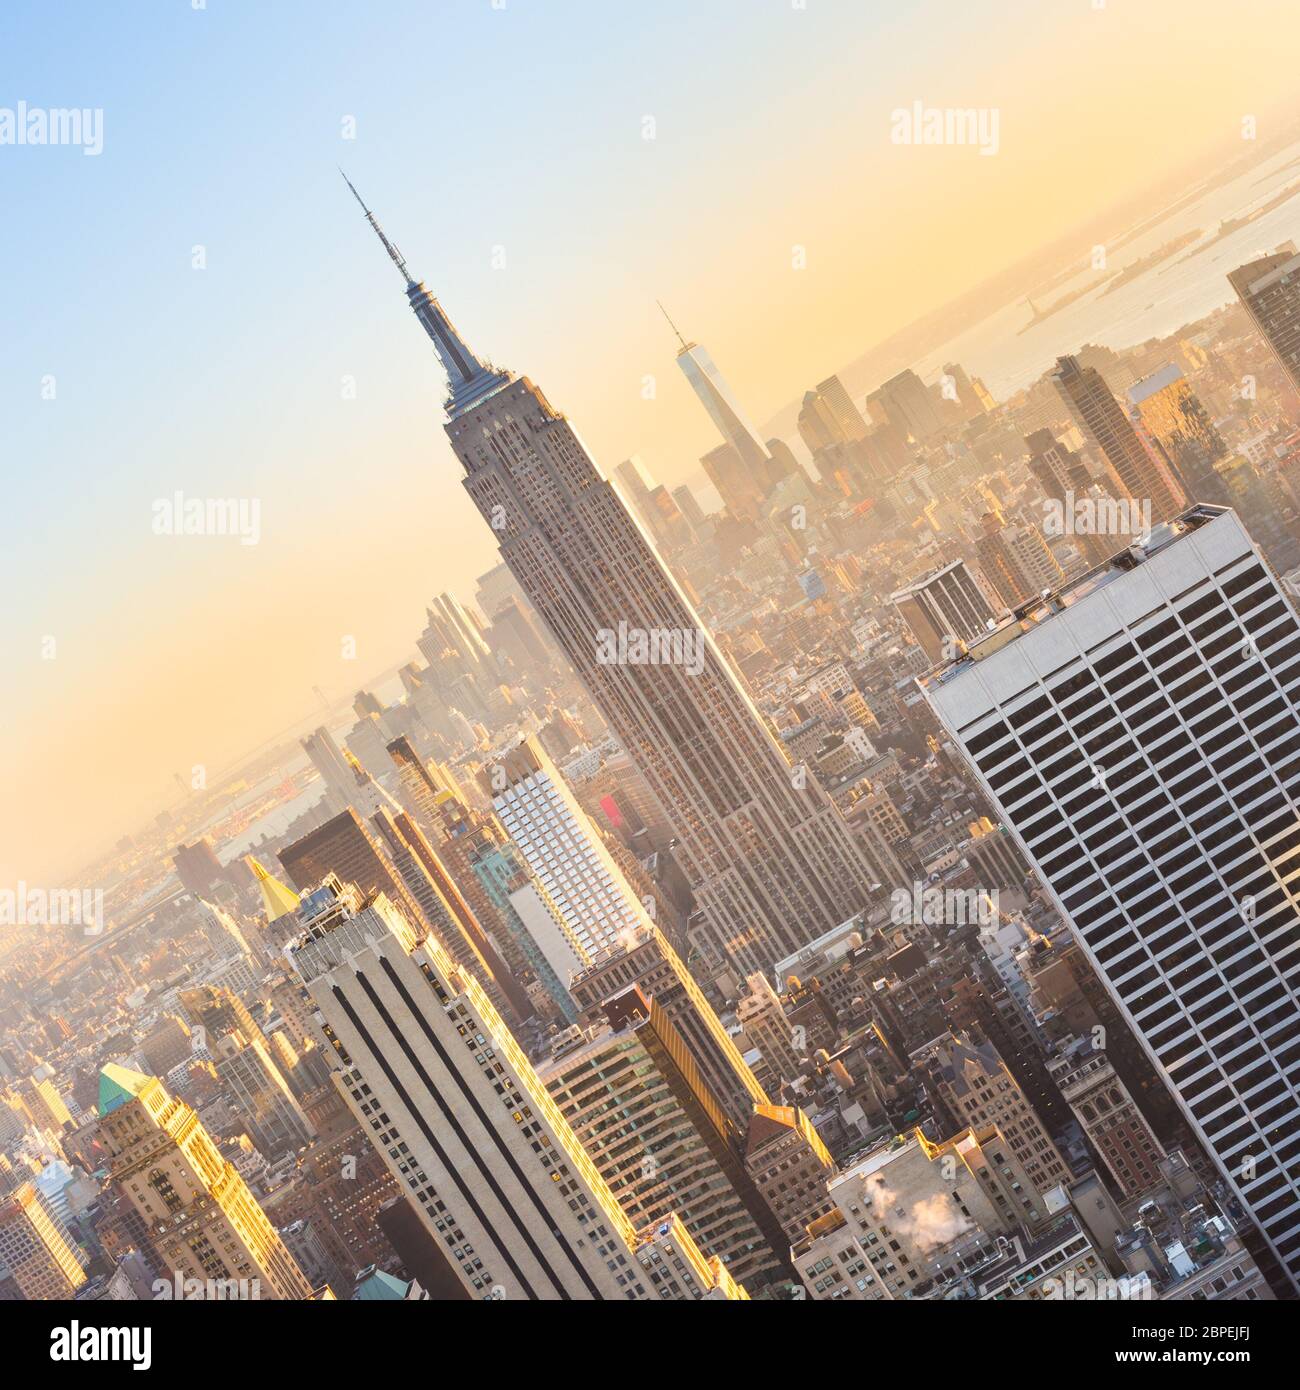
932	1222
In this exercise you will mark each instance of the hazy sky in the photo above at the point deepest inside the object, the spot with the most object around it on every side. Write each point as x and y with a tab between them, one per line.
482	135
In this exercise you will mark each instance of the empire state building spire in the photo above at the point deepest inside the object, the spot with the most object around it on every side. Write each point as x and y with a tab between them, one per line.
769	859
470	380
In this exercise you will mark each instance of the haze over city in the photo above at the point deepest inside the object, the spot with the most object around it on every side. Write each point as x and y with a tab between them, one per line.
654	657
223	131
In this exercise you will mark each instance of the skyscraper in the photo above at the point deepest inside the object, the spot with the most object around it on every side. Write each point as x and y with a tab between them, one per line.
433	1074
389	855
904	403
671	1148
942	606
529	915
1136	471
1173	418
646	958
326	758
768	857
36	1262
202	1219
1059	470
846	415
1015	560
828	417
634	490
690	507
816	425
344	846
1269	289
734	482
555	835
724	409
969	396
451	628
1138	733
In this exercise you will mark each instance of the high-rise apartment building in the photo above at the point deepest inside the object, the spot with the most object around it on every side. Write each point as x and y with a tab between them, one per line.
642	1110
944	607
565	851
433	1074
37	1264
767	855
1139	733
1269	290
645	957
1137	472
203	1221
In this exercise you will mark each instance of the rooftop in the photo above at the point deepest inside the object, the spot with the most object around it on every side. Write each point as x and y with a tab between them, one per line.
117	1085
1038	611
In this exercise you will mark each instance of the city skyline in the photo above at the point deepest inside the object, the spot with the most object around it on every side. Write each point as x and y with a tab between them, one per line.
107	511
754	756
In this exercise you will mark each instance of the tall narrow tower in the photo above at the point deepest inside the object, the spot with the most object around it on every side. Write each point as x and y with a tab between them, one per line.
769	858
1139	474
708	383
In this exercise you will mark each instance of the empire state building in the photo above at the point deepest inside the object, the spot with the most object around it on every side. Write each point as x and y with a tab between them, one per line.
770	860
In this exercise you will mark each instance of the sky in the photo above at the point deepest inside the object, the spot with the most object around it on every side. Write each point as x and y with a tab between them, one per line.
200	308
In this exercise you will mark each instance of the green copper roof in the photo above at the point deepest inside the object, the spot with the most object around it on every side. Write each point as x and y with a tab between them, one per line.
117	1085
380	1287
